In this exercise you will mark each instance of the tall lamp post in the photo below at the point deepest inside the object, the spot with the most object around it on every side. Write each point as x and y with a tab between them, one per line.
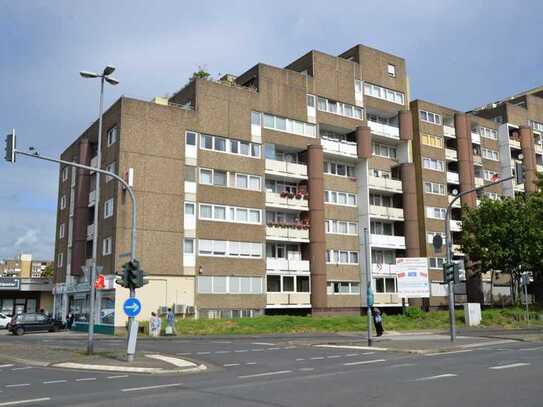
104	77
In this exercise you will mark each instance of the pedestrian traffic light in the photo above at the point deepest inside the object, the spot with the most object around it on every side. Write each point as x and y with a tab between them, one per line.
11	145
123	280
520	172
451	272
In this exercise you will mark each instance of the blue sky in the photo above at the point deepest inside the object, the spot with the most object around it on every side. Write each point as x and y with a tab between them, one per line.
459	54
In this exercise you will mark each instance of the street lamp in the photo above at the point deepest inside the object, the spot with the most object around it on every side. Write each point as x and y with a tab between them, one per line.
108	70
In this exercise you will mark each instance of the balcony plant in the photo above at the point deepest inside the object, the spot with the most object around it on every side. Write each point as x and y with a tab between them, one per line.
299	195
283	194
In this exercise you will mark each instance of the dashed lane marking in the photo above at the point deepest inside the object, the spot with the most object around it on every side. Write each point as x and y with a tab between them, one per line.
18	385
263	343
524	349
241	350
203	353
18	402
8	365
317	358
299	359
306	369
449	353
86	379
117	377
158	386
54	381
278	372
231	364
22	368
250	363
512	365
364	362
333	356
223	351
440	376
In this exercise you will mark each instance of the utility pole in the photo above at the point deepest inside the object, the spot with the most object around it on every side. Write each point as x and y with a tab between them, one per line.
369	292
448	245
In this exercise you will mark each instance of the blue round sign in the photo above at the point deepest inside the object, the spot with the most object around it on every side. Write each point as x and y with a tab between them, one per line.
132	307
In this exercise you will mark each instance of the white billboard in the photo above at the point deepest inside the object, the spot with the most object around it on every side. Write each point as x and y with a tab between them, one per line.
412	277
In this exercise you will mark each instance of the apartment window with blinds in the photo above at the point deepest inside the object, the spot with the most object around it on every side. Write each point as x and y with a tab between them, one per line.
488	133
434	188
340	198
490	154
433	164
227	248
341	257
384	93
342	109
222	213
430	117
338	168
381	200
289	125
381	228
436	262
435	213
341	227
432	141
382	150
342	288
229	146
229	285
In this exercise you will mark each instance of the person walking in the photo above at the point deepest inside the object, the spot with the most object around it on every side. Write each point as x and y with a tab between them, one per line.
154	325
378	321
70	320
170	318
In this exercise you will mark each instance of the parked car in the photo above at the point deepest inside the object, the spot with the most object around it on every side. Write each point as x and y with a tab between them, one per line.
33	322
4	321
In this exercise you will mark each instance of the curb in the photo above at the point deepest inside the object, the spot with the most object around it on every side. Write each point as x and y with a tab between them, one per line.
108	368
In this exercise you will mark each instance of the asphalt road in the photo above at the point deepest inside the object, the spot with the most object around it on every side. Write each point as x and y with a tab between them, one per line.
272	371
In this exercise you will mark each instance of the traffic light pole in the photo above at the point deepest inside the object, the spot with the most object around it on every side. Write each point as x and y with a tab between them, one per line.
448	245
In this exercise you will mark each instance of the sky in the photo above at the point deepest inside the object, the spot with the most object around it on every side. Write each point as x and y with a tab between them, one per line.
460	54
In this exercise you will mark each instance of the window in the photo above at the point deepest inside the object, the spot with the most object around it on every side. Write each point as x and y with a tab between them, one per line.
111	167
433	141
434	188
491	195
383	93
385	284
65	172
490	154
435	213
341	227
289	125
382	150
341	257
381	174
381	200
108	208
63	202
338	168
436	262
188	246
61	231
488	133
490	175
432	164
310	99
381	228
430	117
229	285
340	198
256	118
190	138
60	259
189	209
230	146
230	214
383	256
190	173
391	70
342	287
342	109
106	246
112	136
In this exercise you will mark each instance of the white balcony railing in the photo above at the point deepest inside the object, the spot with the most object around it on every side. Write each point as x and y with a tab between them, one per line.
457	203
386	213
456	225
90	232
475	138
452	177
479	182
385	184
386	298
384	130
274	199
286	169
382	270
386	241
448	131
451	154
274	264
344	148
477	160
92	198
514	143
287	234
293	299
538	148
457	249
539	168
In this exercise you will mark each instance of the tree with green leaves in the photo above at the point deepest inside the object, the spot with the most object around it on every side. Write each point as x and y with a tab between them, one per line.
201	73
49	271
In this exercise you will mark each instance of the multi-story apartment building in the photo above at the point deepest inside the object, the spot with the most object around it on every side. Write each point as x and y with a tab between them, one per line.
253	191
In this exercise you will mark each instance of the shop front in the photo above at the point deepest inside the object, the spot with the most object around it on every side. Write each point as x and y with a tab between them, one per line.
20	295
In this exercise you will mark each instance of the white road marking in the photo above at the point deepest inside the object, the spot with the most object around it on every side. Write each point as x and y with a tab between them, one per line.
18	385
449	353
368	353
8	365
372	348
221	342
22	368
523	349
509	366
117	377
241	350
54	381
289	347
265	374
440	376
348	355
299	359
223	351
85	379
317	358
364	362
402	365
158	386
258	350
274	348
306	369
203	353
184	354
231	364
333	356
491	343
14	403
263	343
250	363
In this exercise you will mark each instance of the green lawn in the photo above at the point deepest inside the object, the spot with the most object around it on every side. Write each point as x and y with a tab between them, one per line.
414	320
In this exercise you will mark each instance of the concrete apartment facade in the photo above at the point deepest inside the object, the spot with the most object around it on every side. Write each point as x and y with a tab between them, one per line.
254	191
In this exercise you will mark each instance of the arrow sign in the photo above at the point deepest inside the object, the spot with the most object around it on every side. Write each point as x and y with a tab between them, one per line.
132	307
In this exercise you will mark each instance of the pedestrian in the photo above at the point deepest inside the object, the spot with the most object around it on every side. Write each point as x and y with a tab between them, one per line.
170	318
378	321
154	325
69	320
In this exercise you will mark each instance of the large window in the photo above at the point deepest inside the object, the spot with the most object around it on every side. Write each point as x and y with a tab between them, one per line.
433	164
381	228
379	256
436	262
382	150
229	285
341	257
385	285
230	146
488	133
490	175
381	200
227	248
108	208
112	136
490	154
384	93
430	237
338	168
430	117
341	227
432	141
340	198
342	109
222	213
230	179
434	188
287	125
63	202
435	213
107	246
342	287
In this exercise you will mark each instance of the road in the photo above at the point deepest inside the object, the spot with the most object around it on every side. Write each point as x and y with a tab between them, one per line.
272	371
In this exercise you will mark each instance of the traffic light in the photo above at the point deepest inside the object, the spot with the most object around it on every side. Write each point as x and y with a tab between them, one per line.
123	280
141	281
520	172
132	275
11	145
451	272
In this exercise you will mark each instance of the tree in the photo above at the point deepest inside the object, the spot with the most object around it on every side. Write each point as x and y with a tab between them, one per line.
49	271
201	73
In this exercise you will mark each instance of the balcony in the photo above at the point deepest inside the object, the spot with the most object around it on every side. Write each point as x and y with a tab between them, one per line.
286	169
387	299
455	225
92	198
384	130
384	212
275	264
457	250
514	143
340	148
90	232
278	300
385	184
287	233
538	148
276	200
475	138
451	155
479	182
448	131
477	160
453	178
457	203
387	242
382	270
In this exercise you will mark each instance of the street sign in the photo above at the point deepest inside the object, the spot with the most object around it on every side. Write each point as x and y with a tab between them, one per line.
412	277
132	307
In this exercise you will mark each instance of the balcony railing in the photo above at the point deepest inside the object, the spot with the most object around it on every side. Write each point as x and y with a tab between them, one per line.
297	202
457	249
382	270
287	265
448	131
387	298
384	130
477	160
92	198
479	182
452	177
344	148
293	299
514	143
456	225
286	169
386	241
475	138
287	233
451	154
90	232
385	184
386	212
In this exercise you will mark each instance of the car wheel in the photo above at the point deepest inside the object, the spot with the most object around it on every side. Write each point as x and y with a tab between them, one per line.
55	328
19	331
